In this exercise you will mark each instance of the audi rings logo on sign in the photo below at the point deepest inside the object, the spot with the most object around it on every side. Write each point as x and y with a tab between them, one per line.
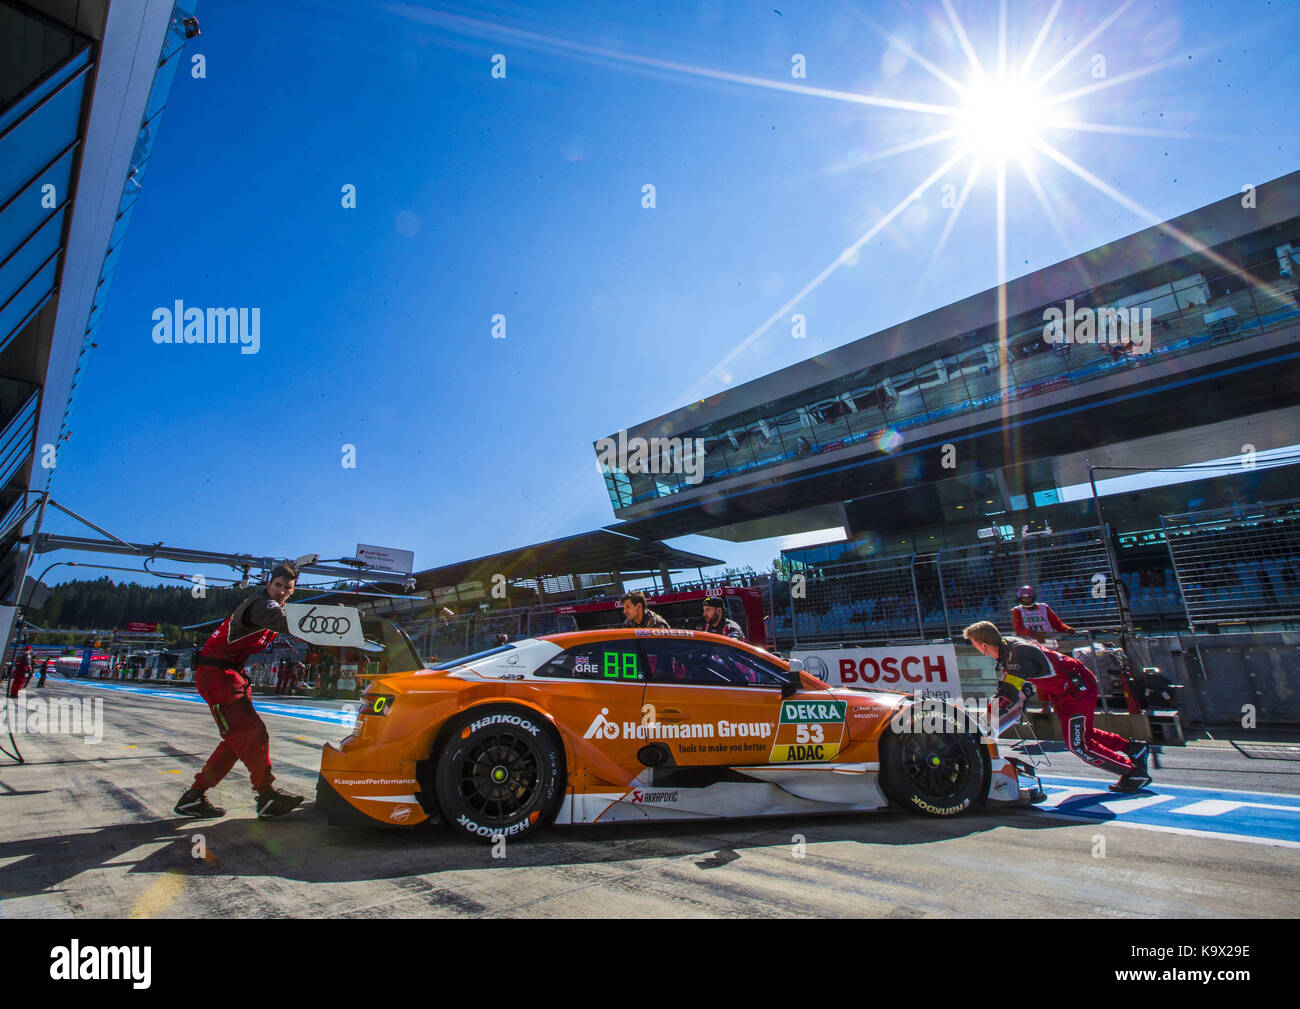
317	623
333	626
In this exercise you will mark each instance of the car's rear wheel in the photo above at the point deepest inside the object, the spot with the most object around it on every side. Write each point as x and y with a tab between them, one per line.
938	773
500	774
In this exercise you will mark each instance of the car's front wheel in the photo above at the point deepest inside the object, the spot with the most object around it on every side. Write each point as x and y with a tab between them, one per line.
938	773
500	774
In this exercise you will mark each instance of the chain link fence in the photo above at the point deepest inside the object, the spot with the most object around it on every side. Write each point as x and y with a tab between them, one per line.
1232	566
927	596
444	638
867	601
451	638
1238	565
1069	571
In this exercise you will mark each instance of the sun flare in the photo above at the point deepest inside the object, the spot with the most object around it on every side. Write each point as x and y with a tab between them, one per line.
1001	118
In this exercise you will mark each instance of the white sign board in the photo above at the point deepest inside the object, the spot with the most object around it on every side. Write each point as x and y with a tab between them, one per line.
6	624
386	558
332	626
929	668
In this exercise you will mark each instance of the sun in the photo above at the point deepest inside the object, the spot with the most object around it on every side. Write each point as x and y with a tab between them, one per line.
1001	115
1001	118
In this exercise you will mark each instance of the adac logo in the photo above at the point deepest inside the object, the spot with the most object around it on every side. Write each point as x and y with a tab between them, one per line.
400	814
602	727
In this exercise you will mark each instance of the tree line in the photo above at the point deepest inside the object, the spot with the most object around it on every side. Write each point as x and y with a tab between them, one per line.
101	604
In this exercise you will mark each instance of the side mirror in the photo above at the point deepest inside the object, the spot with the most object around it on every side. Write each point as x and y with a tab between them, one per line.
791	686
796	665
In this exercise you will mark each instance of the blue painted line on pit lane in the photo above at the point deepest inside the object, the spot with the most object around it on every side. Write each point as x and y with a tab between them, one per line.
323	715
1258	815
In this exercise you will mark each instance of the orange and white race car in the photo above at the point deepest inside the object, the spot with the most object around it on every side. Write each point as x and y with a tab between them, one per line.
618	725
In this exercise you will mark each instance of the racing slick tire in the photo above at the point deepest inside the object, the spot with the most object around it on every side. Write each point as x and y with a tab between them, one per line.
933	773
500	773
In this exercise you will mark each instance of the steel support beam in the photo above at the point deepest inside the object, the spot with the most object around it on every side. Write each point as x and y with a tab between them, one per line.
45	542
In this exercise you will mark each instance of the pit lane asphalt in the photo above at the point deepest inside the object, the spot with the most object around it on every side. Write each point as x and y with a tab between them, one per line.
88	832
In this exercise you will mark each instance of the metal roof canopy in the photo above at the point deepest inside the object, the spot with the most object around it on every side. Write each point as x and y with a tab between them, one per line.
1278	201
600	551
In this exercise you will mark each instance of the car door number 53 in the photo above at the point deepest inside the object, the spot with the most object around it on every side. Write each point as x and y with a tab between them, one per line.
808	733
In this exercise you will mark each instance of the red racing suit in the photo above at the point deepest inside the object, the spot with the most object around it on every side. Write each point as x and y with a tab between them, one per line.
19	675
1072	689
1036	621
219	675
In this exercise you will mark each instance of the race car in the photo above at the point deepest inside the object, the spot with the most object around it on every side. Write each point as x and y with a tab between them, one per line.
628	725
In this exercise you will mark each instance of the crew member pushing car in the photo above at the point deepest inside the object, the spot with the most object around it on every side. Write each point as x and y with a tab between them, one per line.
219	676
1072	688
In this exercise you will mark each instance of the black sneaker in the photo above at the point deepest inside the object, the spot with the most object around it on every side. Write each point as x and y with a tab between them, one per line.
1130	783
273	802
1138	752
195	803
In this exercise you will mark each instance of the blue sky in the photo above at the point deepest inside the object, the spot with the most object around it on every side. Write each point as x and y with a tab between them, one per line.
522	196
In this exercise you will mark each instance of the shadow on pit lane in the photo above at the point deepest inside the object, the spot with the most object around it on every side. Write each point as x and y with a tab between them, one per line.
303	847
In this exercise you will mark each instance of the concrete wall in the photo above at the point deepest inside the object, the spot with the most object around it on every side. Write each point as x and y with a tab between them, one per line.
1225	672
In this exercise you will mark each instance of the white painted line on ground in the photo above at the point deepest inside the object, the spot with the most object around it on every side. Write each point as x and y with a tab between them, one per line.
1060	794
1213	807
1103	784
1119	806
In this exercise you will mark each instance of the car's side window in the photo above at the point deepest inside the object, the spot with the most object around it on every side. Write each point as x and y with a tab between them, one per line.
704	663
611	661
670	661
747	670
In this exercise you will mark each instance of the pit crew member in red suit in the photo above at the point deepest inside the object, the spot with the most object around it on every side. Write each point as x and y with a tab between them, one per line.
1072	688
1035	620
219	676
21	672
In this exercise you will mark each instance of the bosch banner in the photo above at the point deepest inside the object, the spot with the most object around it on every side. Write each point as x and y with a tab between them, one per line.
334	626
928	668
